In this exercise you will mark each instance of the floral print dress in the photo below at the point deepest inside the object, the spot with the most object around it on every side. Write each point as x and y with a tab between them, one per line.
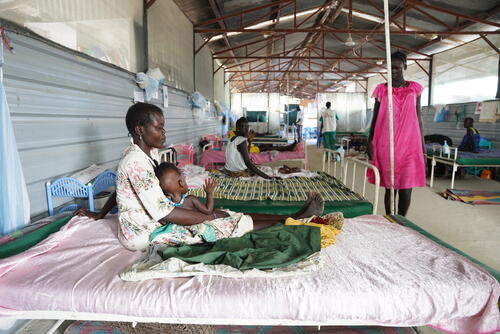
141	201
142	204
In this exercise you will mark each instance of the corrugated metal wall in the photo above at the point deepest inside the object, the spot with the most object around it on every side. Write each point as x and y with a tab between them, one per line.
69	112
170	44
219	87
449	128
203	70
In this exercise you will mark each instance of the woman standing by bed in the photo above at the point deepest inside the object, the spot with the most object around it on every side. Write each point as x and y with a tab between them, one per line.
409	165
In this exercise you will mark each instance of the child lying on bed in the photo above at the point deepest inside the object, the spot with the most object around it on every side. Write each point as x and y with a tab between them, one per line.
174	186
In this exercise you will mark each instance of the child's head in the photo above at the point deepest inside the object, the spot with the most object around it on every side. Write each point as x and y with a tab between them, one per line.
171	179
468	122
242	126
328	104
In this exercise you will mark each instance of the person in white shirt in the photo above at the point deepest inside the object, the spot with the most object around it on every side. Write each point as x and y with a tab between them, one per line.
329	126
299	122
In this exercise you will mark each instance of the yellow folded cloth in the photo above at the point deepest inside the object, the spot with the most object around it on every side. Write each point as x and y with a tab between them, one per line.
328	232
254	149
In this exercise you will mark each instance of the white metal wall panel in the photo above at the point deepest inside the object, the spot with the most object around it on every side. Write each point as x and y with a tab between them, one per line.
203	70
170	44
69	112
219	89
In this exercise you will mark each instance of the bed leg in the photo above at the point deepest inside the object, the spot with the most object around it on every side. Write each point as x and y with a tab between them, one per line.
53	329
134	323
455	168
433	164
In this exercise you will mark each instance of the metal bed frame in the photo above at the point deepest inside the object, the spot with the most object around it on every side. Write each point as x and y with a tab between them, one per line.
330	157
450	159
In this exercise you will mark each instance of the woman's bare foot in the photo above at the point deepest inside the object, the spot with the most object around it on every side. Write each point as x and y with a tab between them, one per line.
313	206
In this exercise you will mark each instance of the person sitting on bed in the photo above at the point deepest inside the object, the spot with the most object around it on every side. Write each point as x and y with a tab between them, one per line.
238	161
470	142
143	208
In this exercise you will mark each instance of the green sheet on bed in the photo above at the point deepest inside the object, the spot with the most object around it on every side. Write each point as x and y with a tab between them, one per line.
405	222
273	247
31	239
350	209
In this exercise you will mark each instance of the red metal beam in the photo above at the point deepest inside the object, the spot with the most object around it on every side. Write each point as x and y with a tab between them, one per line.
215	9
309	57
241	13
346	31
432	17
307	71
257	20
382	12
248	44
490	44
403	48
423	69
450	12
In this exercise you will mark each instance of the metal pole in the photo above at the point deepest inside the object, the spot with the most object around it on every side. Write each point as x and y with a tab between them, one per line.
389	97
1	59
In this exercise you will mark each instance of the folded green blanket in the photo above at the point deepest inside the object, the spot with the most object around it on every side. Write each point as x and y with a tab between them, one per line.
273	247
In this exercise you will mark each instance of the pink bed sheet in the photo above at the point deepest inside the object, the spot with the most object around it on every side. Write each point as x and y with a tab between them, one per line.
211	157
378	273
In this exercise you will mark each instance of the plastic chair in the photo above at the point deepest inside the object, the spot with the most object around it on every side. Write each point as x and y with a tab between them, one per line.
70	187
186	152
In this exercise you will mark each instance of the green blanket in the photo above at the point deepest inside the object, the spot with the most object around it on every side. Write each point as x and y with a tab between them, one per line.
31	239
272	247
291	189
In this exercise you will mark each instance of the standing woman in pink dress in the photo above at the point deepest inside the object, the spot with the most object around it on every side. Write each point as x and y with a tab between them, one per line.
409	165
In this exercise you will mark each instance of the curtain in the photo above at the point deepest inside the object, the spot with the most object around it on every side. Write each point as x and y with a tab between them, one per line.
350	107
14	201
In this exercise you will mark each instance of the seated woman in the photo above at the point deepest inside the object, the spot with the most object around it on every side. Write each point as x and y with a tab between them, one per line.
143	208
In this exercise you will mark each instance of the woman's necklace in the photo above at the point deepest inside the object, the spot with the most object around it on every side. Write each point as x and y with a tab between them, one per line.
177	204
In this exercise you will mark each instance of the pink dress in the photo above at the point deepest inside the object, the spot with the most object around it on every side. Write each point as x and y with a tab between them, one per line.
409	166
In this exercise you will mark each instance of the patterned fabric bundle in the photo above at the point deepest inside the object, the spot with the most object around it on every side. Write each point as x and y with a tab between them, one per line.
291	189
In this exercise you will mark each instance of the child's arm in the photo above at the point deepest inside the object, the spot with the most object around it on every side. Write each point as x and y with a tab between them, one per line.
207	207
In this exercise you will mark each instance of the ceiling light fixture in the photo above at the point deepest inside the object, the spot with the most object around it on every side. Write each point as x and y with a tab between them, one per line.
349	42
380	62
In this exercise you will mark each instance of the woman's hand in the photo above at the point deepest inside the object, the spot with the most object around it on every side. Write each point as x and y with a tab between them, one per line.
209	186
82	212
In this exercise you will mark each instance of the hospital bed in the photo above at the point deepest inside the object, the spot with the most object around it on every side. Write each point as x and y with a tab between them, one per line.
459	159
342	199
364	280
211	158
